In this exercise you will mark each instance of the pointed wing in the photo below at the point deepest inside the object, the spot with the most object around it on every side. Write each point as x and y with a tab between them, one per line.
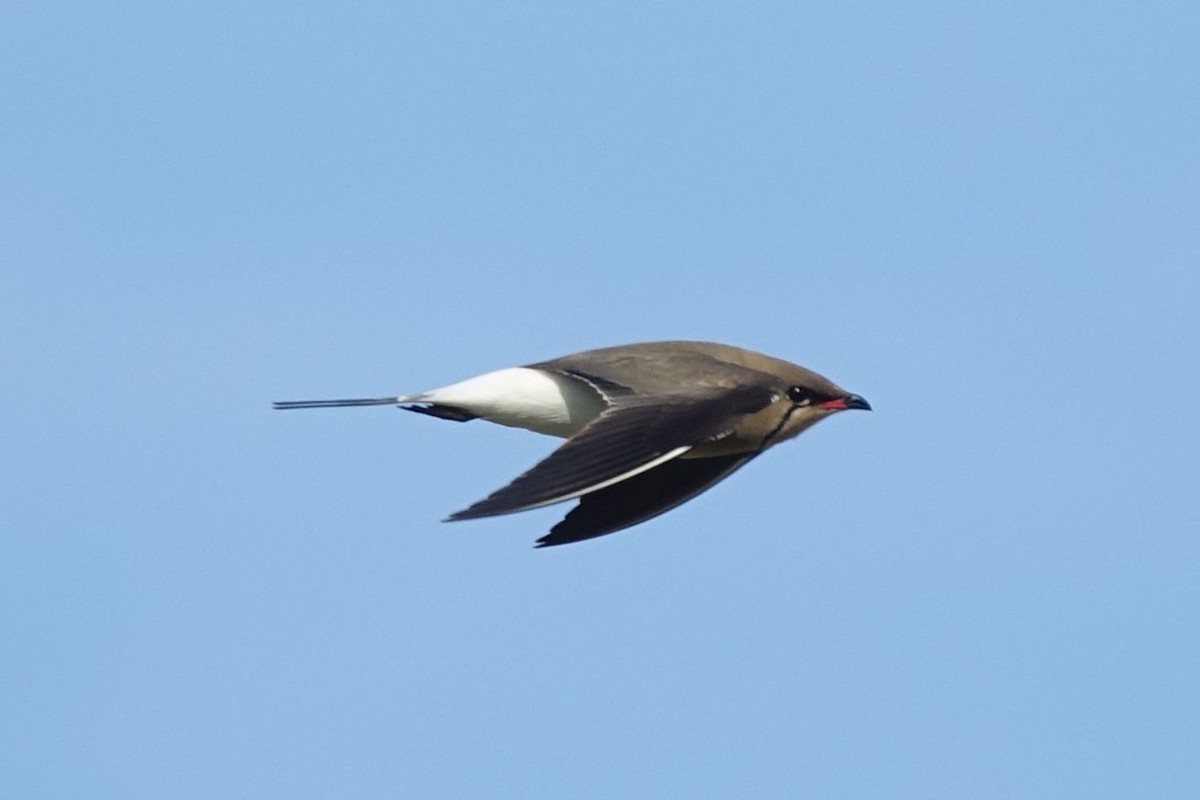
641	497
632	436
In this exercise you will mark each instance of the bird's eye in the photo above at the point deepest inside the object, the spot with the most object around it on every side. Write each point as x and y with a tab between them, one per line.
799	395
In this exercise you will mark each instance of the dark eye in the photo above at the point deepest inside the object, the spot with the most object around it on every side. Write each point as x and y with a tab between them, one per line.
800	396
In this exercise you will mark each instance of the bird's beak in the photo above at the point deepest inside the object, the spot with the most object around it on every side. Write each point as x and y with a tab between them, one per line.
847	401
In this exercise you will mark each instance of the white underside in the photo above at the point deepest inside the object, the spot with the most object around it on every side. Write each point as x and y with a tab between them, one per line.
521	397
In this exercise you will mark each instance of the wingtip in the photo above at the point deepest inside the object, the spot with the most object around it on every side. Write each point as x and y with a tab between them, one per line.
478	510
470	512
545	541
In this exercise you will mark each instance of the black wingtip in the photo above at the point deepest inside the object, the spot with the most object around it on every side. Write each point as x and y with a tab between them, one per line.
476	511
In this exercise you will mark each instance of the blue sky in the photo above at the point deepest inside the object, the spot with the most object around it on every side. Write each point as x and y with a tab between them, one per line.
983	219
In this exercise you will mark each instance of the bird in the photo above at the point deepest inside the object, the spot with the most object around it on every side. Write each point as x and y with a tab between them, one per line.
648	426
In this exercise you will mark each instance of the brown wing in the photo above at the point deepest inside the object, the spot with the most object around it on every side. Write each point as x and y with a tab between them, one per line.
625	440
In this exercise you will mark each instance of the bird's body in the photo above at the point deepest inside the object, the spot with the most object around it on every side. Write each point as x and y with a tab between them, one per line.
648	426
521	397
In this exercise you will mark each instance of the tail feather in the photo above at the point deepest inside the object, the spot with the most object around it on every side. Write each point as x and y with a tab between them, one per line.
439	410
442	411
362	401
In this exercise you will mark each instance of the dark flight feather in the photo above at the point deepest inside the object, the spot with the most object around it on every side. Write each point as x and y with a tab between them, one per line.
641	497
621	439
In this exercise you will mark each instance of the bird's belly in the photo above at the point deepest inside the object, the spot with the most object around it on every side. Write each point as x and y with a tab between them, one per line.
521	397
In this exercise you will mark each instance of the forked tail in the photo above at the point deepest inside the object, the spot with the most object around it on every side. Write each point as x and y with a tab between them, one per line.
362	401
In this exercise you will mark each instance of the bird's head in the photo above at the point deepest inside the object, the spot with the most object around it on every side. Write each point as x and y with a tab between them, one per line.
809	398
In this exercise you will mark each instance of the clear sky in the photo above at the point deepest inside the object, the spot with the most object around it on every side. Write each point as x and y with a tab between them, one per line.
985	218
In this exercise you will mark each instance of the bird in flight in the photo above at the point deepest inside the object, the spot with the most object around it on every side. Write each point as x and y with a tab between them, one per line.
648	426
